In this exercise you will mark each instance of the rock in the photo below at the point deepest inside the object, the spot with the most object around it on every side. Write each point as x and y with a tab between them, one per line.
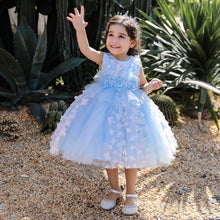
204	176
24	176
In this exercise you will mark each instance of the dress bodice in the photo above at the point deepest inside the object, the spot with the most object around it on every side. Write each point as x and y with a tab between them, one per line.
119	75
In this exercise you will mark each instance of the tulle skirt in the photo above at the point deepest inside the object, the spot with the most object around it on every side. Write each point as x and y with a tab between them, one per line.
112	128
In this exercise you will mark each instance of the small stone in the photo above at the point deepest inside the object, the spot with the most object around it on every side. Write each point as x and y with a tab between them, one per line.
24	176
115	213
204	176
212	200
179	193
217	198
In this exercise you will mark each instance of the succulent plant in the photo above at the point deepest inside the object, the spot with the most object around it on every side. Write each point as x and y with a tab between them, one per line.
27	83
167	106
56	110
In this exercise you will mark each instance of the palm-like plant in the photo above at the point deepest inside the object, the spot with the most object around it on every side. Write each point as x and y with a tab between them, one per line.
189	49
28	84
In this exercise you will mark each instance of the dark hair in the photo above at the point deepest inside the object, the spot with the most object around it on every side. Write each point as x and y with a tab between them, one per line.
132	29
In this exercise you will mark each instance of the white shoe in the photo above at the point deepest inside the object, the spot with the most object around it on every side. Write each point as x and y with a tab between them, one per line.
108	204
130	209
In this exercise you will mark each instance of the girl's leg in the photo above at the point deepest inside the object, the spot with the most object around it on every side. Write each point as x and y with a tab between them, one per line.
131	179
114	183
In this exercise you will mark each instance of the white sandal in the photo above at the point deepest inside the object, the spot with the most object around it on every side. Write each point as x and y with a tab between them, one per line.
130	209
108	204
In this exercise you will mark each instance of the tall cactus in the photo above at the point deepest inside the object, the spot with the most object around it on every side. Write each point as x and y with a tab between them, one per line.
26	8
6	35
67	46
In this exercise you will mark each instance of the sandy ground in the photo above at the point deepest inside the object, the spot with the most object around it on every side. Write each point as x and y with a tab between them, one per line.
36	185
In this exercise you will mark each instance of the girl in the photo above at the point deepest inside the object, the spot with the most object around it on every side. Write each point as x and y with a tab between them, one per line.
113	123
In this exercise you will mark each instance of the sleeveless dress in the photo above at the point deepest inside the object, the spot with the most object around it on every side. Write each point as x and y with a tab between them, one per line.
113	123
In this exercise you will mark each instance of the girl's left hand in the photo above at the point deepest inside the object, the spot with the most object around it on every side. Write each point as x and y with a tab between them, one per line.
155	84
77	19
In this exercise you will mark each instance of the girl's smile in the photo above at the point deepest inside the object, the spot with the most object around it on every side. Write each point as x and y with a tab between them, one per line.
118	42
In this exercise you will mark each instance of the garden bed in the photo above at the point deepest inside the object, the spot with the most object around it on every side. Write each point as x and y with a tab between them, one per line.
36	185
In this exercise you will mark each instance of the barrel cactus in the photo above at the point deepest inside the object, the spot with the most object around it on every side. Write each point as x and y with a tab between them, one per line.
56	110
167	106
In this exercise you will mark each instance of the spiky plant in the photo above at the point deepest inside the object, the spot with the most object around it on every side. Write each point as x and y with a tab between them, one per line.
167	106
185	50
23	73
56	110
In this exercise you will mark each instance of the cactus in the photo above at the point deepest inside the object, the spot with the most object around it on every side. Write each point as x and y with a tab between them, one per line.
167	106
26	8
56	110
62	106
53	106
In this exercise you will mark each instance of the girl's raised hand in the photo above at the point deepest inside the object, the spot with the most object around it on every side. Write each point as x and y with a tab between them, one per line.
77	19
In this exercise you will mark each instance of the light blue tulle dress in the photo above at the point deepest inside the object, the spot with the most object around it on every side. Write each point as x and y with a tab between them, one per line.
114	124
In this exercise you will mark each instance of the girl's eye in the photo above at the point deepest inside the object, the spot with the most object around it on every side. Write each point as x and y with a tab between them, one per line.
110	35
121	36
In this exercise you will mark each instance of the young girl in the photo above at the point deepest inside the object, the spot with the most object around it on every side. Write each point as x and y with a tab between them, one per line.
113	123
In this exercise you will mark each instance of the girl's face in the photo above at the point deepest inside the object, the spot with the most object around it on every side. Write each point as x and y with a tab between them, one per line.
118	42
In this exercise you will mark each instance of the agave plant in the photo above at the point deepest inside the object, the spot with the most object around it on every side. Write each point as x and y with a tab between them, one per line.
28	84
188	49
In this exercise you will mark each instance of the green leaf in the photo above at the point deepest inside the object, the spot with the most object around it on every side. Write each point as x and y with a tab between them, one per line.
216	34
170	16
38	60
190	34
147	17
195	62
60	69
201	31
21	53
14	70
4	74
211	109
177	81
37	111
8	95
202	99
214	47
217	23
29	37
200	52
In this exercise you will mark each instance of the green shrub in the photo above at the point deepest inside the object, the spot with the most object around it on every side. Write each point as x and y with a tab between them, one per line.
56	110
167	106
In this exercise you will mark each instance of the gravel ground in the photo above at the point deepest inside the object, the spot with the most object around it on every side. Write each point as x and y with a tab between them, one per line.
36	185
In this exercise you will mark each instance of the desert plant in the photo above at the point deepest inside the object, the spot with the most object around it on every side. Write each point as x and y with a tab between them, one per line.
167	106
26	8
186	52
24	75
6	35
56	110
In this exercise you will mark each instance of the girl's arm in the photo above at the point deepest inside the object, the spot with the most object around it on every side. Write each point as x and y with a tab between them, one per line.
154	84
79	24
